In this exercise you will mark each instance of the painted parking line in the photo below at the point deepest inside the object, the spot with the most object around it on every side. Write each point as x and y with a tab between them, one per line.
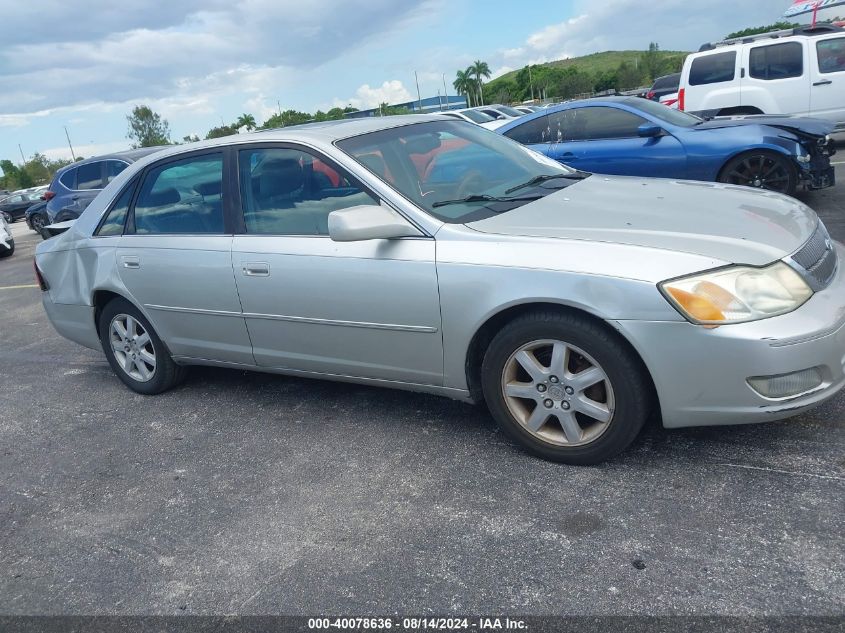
839	163
16	287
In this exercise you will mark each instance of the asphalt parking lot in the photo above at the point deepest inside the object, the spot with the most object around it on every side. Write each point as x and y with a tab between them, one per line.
242	493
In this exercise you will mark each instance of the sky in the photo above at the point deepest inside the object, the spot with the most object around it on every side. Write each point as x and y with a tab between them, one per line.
201	63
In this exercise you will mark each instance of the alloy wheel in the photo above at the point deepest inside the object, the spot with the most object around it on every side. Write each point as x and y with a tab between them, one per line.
37	222
761	171
558	393
132	347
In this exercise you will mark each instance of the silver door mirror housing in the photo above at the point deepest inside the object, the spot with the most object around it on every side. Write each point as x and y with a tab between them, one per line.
368	222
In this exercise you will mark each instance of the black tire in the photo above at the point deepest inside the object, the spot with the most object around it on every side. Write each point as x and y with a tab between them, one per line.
630	388
8	253
37	222
762	170
165	375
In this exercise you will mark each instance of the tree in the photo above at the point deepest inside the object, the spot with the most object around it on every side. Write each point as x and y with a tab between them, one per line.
191	138
481	70
222	130
247	121
777	26
147	128
464	84
286	118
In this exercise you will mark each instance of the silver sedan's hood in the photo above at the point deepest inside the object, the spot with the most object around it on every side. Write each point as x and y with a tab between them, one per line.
726	222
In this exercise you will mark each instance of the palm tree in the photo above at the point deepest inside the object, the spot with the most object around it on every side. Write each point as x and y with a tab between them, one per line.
247	121
479	69
463	84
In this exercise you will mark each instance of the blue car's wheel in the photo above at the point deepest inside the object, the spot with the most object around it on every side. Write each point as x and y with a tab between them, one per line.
763	170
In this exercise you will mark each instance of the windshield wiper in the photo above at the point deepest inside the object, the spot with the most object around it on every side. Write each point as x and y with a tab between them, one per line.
537	180
486	198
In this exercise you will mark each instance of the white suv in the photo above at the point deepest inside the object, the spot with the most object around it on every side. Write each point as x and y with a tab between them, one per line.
799	71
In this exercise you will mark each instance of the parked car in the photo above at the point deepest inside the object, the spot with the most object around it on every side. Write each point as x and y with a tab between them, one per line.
573	305
663	86
75	186
474	116
36	216
7	242
670	100
635	137
14	206
797	71
499	111
526	109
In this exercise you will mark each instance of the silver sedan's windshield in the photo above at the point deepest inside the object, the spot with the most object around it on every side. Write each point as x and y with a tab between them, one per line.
456	171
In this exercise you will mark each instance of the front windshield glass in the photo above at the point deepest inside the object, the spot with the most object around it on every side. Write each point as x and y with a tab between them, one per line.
477	117
450	169
666	114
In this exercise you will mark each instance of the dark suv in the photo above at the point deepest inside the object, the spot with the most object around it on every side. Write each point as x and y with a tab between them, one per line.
664	86
75	186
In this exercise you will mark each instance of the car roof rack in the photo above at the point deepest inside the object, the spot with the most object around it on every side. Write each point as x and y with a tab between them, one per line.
819	29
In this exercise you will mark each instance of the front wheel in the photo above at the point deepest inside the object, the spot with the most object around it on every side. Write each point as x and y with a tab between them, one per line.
763	170
134	351
565	388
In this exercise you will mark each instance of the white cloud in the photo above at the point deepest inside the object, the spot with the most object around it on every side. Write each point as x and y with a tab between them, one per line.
86	150
391	91
633	24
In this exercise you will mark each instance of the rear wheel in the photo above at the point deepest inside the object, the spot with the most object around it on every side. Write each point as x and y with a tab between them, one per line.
134	351
763	170
37	221
565	388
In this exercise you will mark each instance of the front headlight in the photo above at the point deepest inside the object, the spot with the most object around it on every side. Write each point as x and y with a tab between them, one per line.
737	294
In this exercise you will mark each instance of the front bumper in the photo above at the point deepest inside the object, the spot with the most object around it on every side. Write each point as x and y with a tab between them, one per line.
701	374
6	241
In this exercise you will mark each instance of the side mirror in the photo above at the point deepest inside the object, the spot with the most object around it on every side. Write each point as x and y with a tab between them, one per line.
649	130
368	222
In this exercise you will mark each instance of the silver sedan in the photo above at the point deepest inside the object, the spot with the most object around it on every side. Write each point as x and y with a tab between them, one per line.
432	255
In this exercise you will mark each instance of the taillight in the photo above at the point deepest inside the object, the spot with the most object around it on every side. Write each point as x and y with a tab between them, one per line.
48	195
650	95
40	278
681	99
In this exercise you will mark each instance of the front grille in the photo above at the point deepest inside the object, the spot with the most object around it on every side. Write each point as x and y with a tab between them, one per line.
817	258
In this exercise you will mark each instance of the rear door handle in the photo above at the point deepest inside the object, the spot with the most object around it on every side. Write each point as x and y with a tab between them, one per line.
130	261
568	156
256	269
74	197
824	82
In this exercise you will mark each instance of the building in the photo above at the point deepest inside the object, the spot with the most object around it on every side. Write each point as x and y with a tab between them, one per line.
429	104
801	11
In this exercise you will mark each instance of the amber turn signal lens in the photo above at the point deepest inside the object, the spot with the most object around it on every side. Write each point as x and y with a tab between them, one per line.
696	306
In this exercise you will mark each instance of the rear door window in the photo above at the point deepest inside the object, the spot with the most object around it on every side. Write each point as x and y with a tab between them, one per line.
183	196
831	54
89	176
113	168
712	69
776	61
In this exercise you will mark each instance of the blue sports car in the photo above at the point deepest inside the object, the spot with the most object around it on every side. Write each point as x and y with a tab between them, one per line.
628	136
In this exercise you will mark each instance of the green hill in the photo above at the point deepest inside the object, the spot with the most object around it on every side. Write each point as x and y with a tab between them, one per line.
565	78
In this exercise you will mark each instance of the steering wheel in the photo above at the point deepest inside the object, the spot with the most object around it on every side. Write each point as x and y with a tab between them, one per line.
470	184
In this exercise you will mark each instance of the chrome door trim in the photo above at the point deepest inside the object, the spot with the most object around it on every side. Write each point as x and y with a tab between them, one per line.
420	329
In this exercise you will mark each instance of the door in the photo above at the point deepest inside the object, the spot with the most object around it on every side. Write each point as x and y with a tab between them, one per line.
776	79
366	309
827	70
175	260
606	140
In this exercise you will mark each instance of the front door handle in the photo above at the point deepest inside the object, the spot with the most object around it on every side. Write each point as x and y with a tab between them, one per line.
824	82
130	261
256	269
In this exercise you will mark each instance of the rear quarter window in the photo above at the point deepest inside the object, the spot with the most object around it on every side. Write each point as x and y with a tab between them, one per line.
711	69
68	179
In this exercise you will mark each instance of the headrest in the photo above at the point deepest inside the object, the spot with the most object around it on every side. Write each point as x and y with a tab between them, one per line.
211	188
280	176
